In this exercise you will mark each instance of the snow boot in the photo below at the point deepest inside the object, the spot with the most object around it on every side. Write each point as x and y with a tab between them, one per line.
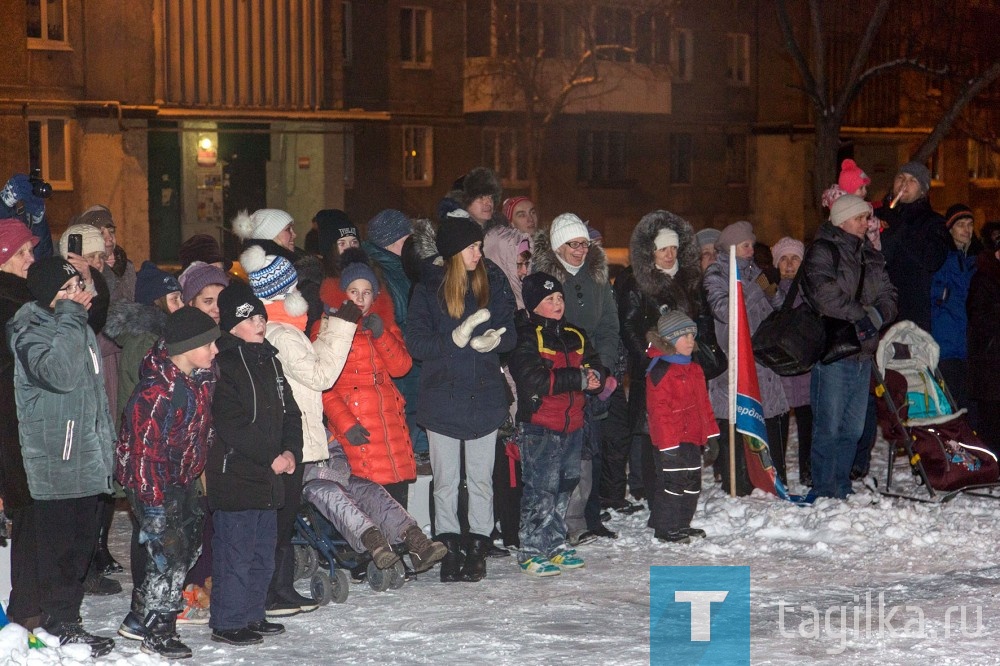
133	627
451	565
382	553
162	638
72	633
476	549
99	585
673	536
694	532
423	552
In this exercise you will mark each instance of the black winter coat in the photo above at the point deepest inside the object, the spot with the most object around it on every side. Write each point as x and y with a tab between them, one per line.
915	246
983	333
256	419
13	482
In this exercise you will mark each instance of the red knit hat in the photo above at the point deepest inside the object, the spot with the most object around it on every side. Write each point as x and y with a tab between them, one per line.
852	178
13	235
509	204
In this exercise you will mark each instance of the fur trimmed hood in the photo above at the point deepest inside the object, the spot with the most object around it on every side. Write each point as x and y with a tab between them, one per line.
127	319
424	239
680	291
544	259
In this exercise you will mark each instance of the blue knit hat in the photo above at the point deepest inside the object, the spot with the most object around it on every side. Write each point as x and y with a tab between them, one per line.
388	226
275	278
356	267
151	283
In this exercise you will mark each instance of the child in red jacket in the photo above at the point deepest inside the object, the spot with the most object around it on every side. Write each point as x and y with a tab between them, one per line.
680	423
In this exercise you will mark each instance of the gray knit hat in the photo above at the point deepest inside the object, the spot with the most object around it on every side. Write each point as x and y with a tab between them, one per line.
675	324
388	226
920	172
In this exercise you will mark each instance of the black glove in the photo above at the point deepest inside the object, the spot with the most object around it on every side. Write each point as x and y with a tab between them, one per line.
866	329
374	324
349	312
357	435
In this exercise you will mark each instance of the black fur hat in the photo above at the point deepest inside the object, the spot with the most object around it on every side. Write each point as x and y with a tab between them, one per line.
478	183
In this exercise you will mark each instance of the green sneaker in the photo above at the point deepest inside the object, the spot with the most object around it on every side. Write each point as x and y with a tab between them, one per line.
567	559
539	567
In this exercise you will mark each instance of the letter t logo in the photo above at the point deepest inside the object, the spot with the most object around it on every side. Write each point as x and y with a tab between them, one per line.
701	610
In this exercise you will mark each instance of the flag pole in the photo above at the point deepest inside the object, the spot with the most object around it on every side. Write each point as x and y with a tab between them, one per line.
733	364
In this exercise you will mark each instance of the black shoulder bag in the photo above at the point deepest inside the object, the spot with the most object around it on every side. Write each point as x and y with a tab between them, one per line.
790	340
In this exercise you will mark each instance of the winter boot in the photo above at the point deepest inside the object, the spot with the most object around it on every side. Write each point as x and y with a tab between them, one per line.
451	565
380	550
476	549
98	585
423	552
162	638
133	626
72	633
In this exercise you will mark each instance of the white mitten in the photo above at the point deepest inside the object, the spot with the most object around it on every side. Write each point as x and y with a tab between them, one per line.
463	332
488	341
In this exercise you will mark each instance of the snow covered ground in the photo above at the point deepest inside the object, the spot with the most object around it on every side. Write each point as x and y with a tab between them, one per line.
831	557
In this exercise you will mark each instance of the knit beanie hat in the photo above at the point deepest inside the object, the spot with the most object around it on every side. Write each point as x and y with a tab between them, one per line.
594	233
13	234
201	247
96	216
666	238
675	324
566	227
47	276
199	275
151	283
356	267
846	207
852	178
954	214
271	276
536	287
509	204
93	241
332	225
787	246
707	237
734	234
920	172
264	224
388	226
458	231
187	329
237	303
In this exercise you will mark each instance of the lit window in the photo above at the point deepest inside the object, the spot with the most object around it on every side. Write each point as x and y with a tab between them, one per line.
47	24
738	59
504	152
736	159
415	36
418	156
681	158
984	163
49	150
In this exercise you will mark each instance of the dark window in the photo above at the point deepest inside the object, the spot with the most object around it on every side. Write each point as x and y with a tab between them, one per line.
681	157
602	156
477	28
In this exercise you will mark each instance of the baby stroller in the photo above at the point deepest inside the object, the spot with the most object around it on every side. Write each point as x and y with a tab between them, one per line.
318	544
918	418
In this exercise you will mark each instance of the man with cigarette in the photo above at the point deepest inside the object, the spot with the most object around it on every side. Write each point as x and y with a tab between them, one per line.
915	244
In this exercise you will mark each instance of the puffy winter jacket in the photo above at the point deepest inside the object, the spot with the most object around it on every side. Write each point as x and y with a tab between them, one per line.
310	367
677	401
365	394
67	439
462	392
546	366
830	280
13	483
166	428
949	291
256	419
136	328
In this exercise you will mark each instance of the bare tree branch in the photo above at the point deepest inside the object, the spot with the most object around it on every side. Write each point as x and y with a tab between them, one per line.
861	56
798	57
972	89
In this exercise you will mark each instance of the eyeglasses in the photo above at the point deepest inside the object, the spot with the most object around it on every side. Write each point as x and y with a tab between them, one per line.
74	287
576	245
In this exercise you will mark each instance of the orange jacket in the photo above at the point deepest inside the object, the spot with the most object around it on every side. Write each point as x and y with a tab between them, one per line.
366	394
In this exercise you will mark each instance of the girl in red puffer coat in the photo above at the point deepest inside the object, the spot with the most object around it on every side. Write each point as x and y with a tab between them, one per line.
364	409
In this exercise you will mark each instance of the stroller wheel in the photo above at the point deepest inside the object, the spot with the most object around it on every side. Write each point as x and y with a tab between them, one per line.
306	562
378	579
341	586
322	588
397	575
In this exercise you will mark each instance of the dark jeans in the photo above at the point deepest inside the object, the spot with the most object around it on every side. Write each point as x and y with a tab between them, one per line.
551	470
803	425
863	455
283	582
171	534
616	443
64	544
242	565
678	475
839	398
24	601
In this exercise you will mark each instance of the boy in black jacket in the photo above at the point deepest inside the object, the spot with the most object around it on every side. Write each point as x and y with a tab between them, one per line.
259	436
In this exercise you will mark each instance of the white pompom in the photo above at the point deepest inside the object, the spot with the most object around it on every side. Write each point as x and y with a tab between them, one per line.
242	224
253	259
295	303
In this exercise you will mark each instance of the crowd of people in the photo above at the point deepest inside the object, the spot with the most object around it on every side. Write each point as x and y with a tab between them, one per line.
501	356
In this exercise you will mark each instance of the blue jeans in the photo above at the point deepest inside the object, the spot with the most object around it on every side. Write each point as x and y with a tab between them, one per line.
839	397
550	470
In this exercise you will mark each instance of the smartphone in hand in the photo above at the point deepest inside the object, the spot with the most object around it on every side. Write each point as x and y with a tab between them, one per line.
75	244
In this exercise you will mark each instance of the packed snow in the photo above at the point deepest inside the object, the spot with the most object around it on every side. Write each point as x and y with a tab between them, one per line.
868	580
